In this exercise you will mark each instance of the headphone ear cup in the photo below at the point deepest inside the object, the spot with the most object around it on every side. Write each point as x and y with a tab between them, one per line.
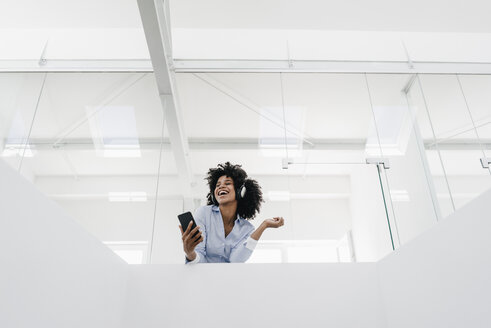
240	193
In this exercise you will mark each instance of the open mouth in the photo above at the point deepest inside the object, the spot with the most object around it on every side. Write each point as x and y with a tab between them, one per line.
222	193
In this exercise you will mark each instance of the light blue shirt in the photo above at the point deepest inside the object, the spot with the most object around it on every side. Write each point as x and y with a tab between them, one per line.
215	247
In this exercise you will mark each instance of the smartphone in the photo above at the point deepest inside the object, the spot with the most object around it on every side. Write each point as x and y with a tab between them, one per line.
185	218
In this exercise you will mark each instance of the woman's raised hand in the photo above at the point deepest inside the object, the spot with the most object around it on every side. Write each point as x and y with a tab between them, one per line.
190	241
268	223
274	222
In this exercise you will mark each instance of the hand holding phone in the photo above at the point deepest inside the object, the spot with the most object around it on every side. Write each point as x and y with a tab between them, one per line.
191	236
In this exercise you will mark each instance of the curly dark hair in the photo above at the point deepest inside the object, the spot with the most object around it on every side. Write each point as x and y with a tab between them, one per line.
250	205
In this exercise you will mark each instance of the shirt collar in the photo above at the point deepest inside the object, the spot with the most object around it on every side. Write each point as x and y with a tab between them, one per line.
216	209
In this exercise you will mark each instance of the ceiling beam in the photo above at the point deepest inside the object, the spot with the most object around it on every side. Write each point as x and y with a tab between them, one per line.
328	66
75	65
156	26
246	66
238	144
197	144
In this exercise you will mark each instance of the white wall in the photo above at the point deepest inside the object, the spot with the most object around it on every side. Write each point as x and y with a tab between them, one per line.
254	295
442	278
52	272
464	188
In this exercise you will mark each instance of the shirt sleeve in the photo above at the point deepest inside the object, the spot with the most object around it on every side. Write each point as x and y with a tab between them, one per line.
244	248
199	217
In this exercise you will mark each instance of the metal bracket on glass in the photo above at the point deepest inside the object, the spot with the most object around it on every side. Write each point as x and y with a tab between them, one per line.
42	60
285	163
379	161
485	162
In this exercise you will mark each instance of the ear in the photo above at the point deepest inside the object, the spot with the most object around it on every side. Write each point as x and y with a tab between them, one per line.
215	202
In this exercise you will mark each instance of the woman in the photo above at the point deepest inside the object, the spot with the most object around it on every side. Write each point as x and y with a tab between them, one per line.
224	233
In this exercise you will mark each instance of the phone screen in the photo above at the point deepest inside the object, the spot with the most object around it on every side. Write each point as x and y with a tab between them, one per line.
185	218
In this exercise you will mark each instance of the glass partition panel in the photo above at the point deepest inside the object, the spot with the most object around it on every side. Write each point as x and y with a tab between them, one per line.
410	194
424	130
303	137
354	166
453	146
19	95
477	92
97	140
338	121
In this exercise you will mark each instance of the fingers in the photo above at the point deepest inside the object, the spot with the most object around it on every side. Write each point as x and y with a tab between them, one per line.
194	236
191	234
190	224
197	241
197	235
194	230
190	237
278	222
190	243
188	230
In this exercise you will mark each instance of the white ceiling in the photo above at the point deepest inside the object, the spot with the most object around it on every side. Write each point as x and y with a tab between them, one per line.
375	15
61	14
379	15
382	30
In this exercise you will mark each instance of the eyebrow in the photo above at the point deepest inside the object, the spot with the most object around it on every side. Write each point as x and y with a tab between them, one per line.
226	180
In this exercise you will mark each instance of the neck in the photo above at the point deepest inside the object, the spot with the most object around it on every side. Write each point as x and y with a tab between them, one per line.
229	212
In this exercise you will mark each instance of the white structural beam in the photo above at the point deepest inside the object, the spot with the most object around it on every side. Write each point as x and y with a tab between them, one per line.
76	65
329	66
249	65
212	144
156	27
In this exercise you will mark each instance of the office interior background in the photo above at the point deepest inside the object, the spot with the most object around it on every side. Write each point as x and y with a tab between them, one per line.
368	126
